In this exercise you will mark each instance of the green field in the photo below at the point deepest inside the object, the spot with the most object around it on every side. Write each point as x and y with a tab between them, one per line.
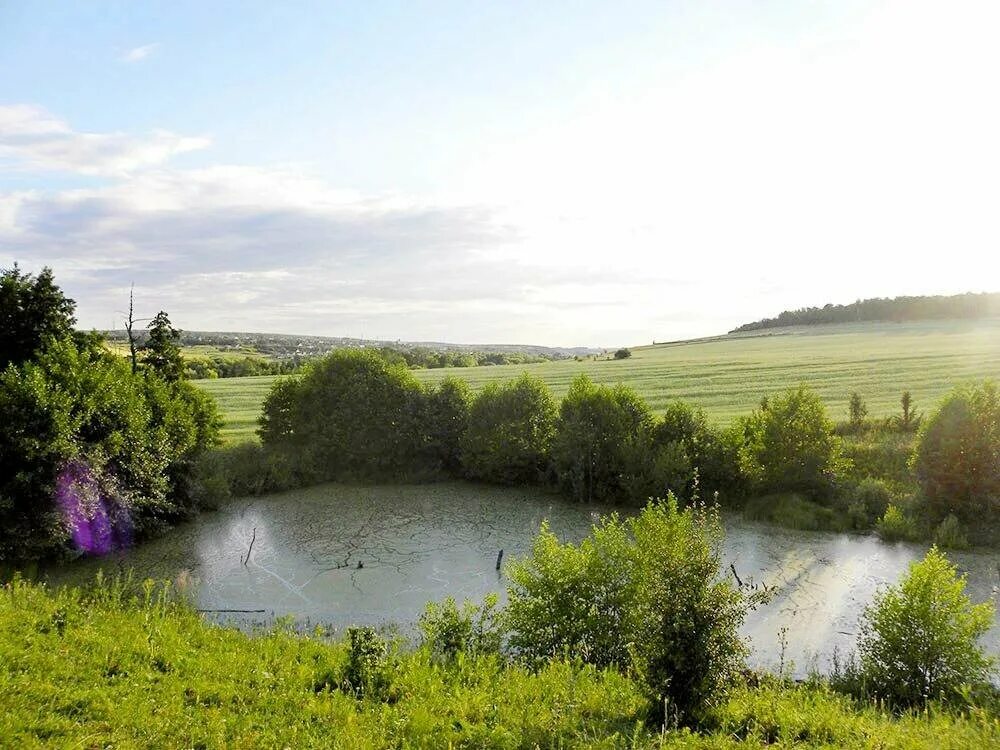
728	375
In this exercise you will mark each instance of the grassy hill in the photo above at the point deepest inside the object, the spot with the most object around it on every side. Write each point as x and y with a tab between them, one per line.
728	375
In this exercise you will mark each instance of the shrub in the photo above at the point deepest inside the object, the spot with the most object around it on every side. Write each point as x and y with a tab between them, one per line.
789	445
957	458
623	354
874	498
473	629
350	414
857	412
367	672
711	456
645	592
597	435
895	526
93	454
794	512
511	426
919	640
950	534
447	422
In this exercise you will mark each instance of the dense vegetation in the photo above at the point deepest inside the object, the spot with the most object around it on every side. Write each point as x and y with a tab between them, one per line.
122	664
959	306
353	415
92	453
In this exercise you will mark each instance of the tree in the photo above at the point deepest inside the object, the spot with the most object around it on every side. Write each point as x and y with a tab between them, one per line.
594	438
645	593
789	445
32	309
908	419
957	456
919	640
511	426
623	354
350	414
163	352
857	411
448	421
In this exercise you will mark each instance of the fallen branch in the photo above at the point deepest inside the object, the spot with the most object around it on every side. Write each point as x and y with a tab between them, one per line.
735	575
247	611
250	548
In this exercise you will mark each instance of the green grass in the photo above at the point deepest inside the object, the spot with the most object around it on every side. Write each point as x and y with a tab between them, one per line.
728	375
109	669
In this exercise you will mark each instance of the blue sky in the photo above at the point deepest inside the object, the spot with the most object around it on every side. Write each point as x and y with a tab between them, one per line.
563	173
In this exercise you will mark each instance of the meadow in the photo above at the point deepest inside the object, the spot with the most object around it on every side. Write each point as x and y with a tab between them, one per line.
120	666
728	375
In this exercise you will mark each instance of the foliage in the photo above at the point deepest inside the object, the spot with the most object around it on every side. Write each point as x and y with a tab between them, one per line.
162	352
711	455
958	306
349	414
474	629
511	427
120	667
793	511
909	420
789	444
857	412
957	458
645	592
32	310
87	442
950	534
367	672
448	407
894	525
597	435
623	354
919	640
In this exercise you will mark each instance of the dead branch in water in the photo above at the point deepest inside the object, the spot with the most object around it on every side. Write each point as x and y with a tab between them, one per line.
250	548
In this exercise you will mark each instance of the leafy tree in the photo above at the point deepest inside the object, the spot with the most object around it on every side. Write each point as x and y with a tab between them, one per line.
32	309
89	448
350	414
646	593
957	457
623	354
163	351
511	426
448	421
920	640
857	412
790	445
908	419
598	431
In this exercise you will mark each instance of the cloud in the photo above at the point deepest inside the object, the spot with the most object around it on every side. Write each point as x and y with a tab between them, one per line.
139	53
32	139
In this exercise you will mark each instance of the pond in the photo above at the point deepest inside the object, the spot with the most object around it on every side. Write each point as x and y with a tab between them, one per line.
347	555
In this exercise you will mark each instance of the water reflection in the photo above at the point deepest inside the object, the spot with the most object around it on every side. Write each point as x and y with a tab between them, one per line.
375	555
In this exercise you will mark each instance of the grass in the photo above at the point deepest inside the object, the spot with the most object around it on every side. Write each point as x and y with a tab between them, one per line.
728	375
121	667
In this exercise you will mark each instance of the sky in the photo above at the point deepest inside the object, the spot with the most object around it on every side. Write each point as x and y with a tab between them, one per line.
572	174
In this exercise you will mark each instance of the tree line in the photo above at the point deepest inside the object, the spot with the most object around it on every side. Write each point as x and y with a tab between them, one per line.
967	306
354	415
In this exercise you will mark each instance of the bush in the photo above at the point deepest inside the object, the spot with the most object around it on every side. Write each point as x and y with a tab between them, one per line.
447	422
794	512
646	592
473	629
957	459
919	640
789	445
623	354
597	435
711	456
244	469
511	426
950	534
367	673
349	415
857	412
895	526
92	453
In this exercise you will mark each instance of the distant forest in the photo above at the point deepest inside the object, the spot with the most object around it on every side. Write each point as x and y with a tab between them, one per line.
960	306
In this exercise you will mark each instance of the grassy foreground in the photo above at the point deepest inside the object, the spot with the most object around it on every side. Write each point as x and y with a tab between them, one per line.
728	375
110	668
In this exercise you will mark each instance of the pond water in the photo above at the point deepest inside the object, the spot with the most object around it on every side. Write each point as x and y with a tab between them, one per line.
421	543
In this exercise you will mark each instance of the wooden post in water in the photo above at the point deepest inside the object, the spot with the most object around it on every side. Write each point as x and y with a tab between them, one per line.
499	559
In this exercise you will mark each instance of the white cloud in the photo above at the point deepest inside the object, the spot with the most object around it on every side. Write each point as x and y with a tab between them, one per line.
139	53
33	139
